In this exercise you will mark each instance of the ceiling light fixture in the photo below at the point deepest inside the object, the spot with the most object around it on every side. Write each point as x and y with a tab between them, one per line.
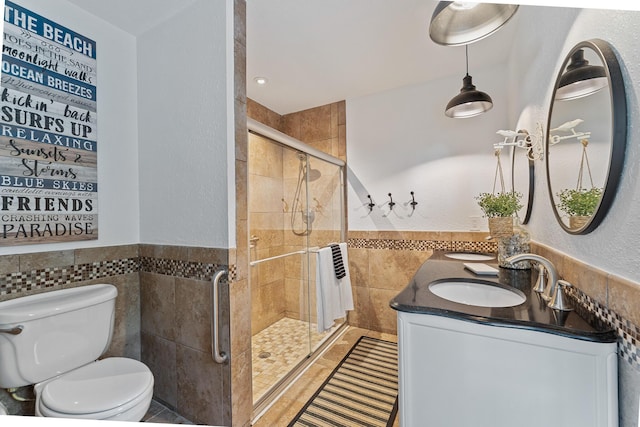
261	81
580	79
455	23
469	102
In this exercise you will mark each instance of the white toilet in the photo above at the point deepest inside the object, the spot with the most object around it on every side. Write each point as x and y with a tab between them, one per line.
53	339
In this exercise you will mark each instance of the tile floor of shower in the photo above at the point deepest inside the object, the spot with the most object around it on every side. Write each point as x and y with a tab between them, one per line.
279	348
293	399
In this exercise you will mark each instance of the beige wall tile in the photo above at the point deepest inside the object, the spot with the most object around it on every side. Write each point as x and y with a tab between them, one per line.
9	264
265	157
41	260
200	388
589	280
363	309
179	253
126	334
315	124
240	67
209	255
160	356
242	198
624	298
383	317
241	132
157	311
393	269
358	266
240	327
193	313
242	403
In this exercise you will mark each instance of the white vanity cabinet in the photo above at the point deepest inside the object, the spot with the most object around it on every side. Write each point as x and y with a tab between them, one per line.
462	373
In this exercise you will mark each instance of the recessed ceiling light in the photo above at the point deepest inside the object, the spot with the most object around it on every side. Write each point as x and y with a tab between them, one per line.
261	80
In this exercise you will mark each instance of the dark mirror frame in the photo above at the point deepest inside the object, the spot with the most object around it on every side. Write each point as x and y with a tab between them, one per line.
531	185
618	133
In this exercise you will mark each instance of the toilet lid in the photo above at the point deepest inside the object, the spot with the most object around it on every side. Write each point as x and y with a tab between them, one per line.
97	387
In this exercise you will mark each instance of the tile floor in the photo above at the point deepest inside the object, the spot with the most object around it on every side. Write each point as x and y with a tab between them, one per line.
277	349
158	413
293	399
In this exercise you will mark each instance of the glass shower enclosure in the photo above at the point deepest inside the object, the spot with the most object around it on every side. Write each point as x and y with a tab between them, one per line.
296	205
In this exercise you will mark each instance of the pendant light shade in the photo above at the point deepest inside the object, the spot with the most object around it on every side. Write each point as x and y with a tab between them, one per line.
469	102
457	23
580	79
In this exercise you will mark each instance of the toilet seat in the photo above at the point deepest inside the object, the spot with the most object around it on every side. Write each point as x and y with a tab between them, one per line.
106	389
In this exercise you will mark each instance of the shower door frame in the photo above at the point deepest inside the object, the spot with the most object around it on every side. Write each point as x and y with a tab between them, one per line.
262	130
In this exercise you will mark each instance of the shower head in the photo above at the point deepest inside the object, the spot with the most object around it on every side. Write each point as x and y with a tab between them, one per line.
308	172
312	174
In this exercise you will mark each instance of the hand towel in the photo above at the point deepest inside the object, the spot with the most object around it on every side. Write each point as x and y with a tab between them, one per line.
333	296
338	265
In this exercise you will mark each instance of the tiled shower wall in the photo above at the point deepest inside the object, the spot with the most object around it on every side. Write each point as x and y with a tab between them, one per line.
276	289
162	315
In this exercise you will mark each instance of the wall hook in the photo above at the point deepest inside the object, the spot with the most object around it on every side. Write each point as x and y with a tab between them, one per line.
413	202
391	202
370	204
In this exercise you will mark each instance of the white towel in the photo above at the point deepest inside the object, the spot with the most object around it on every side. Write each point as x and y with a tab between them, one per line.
334	296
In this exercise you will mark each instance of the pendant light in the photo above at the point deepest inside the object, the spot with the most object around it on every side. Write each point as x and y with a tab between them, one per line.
455	23
580	79
469	102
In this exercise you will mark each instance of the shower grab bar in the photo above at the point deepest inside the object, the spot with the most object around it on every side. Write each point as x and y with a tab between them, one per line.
218	356
301	252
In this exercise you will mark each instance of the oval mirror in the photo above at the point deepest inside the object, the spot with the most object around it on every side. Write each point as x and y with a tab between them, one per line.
586	136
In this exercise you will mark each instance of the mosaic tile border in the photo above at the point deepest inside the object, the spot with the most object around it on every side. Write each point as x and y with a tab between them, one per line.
627	332
25	281
50	277
422	245
184	269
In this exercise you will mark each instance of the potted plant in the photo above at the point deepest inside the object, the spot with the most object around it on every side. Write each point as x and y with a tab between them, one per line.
500	209
579	204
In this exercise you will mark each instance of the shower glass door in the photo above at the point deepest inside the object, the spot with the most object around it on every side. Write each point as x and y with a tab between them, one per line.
295	206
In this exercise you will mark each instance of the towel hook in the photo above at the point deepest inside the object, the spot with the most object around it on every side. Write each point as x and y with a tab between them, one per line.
370	204
413	202
391	202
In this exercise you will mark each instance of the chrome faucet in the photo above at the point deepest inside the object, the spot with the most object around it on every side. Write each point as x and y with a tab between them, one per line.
548	266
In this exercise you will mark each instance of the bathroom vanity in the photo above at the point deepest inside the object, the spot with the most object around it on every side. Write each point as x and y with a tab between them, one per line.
462	364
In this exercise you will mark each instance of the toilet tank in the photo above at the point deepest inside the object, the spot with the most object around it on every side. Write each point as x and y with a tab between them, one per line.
61	330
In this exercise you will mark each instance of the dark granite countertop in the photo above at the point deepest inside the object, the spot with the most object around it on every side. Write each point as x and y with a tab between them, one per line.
533	314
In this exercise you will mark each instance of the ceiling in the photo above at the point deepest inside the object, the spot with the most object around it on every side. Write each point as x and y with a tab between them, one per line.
133	16
314	52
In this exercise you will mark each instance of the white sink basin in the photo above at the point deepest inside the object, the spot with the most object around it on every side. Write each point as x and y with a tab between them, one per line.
477	293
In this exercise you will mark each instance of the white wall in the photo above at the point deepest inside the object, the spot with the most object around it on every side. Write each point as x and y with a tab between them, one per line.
118	207
546	36
183	86
400	141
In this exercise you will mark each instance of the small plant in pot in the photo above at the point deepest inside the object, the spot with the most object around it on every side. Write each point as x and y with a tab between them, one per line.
500	209
579	204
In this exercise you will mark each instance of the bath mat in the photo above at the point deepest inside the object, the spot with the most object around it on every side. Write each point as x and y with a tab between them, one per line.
361	391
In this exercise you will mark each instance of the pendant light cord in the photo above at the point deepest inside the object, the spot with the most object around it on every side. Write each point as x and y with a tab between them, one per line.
466	54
